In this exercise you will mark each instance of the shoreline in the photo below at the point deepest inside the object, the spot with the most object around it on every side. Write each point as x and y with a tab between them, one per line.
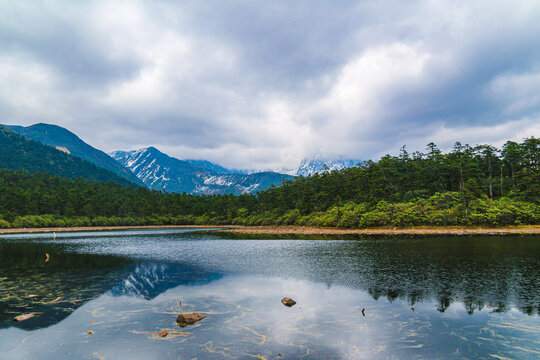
303	230
421	230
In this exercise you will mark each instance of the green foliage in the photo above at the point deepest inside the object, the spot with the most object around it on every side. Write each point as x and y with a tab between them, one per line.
4	224
468	186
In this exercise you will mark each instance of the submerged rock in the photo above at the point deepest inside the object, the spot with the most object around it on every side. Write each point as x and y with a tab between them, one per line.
189	318
288	301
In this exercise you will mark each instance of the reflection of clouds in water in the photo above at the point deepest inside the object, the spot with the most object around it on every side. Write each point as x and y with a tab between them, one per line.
496	272
331	281
500	273
324	317
245	316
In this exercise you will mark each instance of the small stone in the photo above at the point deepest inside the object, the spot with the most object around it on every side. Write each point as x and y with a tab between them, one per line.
189	318
288	301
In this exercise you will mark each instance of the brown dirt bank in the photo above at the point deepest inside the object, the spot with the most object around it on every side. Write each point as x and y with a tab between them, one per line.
306	230
450	230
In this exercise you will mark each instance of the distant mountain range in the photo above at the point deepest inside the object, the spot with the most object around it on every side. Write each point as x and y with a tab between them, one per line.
309	167
66	141
68	156
161	172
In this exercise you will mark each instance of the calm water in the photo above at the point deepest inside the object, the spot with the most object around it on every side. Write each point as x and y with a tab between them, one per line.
424	298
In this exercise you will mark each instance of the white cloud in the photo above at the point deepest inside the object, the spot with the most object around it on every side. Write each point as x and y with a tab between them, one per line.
519	92
264	85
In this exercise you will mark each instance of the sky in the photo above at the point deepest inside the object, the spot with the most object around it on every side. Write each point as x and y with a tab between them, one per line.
264	84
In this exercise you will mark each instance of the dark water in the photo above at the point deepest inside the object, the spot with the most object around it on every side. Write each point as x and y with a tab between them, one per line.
424	298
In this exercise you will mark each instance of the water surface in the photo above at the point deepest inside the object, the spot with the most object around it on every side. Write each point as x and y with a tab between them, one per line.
424	298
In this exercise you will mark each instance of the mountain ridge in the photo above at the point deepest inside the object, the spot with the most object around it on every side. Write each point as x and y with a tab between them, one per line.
160	171
64	140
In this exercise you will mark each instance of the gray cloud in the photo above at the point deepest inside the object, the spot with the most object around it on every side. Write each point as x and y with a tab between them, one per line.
263	84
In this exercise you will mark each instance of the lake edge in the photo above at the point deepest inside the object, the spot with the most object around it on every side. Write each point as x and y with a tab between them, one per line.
306	230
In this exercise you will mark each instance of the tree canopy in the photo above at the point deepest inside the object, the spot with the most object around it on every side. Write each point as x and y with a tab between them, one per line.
479	185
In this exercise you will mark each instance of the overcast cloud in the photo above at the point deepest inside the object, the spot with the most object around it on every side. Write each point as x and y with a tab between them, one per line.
264	84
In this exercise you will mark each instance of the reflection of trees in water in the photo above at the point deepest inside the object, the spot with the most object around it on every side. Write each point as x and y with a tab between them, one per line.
500	273
54	288
497	273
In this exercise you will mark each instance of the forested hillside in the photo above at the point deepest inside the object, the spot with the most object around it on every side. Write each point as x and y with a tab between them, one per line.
57	136
18	152
478	185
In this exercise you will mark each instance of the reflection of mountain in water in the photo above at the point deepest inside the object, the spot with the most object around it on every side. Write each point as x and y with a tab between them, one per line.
56	288
150	280
501	273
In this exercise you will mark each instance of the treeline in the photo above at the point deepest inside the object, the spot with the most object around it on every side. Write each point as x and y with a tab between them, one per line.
479	185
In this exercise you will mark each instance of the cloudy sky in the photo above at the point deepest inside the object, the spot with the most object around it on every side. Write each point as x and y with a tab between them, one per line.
263	84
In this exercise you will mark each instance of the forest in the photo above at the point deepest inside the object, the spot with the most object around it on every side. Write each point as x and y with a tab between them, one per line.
19	152
469	185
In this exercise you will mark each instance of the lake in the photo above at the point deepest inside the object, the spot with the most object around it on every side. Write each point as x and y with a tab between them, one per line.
423	297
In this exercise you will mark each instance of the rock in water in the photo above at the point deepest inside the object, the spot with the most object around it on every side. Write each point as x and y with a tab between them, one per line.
189	318
288	301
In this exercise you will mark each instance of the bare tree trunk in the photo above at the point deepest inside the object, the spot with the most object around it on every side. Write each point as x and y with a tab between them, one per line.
490	179
501	179
512	173
461	182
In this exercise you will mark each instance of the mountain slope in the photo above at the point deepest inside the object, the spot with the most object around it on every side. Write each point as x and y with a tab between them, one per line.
218	169
20	153
159	171
64	140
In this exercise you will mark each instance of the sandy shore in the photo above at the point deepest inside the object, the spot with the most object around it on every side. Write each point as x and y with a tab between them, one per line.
305	230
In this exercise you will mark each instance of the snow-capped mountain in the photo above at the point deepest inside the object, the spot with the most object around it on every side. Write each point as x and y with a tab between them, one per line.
313	166
159	171
309	167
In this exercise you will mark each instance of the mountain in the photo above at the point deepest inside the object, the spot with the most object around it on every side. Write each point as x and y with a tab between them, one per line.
66	141
21	153
159	171
309	167
218	169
